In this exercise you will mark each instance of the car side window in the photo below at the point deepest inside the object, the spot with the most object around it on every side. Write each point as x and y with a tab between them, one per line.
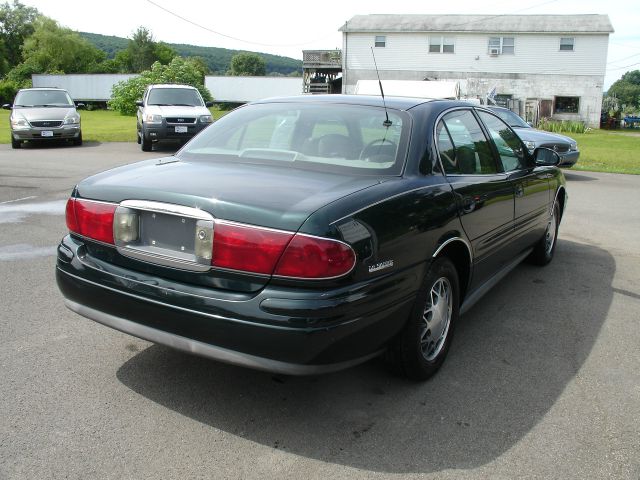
462	145
508	144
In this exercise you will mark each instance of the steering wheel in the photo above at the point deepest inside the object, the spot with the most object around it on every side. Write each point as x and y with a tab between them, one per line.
378	142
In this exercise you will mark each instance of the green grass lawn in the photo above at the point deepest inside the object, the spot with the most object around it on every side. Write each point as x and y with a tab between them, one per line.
614	151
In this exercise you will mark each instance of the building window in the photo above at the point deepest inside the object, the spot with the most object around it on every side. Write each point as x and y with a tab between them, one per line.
501	45
566	105
566	44
380	41
441	45
502	99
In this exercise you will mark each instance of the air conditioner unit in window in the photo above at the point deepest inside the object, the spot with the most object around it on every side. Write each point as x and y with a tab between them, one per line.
494	52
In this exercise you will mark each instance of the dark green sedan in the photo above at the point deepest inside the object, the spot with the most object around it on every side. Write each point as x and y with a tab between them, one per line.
308	234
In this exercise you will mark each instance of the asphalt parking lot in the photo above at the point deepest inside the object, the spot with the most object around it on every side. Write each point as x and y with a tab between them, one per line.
542	381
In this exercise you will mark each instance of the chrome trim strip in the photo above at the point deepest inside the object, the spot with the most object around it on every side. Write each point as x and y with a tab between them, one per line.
81	199
206	350
561	188
455	239
168	208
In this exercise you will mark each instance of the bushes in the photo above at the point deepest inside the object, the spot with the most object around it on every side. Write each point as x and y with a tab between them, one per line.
179	70
566	126
8	90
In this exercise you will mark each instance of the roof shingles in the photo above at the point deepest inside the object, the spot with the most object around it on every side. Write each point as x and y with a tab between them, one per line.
480	23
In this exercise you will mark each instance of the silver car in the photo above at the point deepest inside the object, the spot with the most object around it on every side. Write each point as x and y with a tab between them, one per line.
533	138
43	114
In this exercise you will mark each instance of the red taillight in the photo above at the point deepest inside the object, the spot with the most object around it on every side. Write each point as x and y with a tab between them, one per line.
91	219
311	257
248	249
285	254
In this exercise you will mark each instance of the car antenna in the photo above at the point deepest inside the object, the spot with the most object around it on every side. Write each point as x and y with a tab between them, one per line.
387	122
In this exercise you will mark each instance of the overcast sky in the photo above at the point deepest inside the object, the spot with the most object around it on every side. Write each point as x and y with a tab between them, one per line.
287	27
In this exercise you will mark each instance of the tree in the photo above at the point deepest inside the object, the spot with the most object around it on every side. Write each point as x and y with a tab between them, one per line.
54	49
249	64
16	24
142	52
627	90
4	65
180	70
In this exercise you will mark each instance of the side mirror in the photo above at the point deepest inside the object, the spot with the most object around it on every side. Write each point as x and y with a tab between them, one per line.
7	106
545	157
139	103
208	104
79	105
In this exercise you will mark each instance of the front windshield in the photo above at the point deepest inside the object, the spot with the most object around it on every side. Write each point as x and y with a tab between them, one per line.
174	96
331	138
43	98
511	118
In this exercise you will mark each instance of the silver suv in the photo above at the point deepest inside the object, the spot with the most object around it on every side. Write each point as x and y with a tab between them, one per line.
170	112
40	114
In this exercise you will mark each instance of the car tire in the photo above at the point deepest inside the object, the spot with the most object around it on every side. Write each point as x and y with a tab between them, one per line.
138	137
543	252
420	348
78	141
15	143
145	144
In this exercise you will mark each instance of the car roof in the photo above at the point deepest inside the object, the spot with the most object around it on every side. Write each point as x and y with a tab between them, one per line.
43	88
398	103
171	85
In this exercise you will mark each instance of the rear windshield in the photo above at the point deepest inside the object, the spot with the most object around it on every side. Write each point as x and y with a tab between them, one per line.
174	96
43	98
331	138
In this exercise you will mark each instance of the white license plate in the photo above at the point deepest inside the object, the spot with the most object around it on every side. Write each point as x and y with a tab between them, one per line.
46	133
182	129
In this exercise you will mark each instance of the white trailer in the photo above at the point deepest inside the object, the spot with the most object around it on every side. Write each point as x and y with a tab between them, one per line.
91	87
249	89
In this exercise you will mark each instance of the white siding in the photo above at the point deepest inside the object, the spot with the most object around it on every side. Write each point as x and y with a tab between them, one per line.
534	54
248	89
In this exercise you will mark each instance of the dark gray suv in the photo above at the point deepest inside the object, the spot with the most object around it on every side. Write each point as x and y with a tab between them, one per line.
170	112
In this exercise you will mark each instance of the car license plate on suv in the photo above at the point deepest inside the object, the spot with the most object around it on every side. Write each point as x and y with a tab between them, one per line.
182	129
46	133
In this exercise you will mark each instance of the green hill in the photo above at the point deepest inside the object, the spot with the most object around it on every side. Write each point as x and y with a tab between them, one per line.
217	59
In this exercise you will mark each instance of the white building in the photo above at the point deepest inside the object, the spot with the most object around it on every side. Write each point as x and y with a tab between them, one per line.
538	65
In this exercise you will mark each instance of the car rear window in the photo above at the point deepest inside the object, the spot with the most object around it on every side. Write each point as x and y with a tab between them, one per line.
335	137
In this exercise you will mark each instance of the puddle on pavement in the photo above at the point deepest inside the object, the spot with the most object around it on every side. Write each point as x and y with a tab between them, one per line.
17	212
24	251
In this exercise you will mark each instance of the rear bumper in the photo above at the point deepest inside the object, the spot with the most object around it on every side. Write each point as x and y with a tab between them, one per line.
279	330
